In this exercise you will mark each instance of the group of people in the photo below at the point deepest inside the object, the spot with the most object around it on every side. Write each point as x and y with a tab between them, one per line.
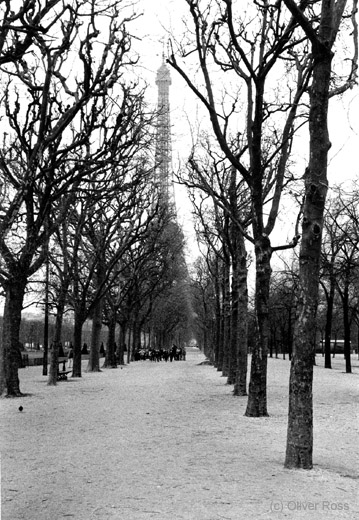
155	354
159	354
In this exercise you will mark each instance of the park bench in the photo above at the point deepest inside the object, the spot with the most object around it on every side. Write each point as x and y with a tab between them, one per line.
62	373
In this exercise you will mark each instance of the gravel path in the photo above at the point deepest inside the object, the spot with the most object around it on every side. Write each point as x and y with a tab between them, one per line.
168	441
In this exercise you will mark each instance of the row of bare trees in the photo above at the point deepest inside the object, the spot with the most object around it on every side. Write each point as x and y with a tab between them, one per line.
115	265
338	308
71	119
75	166
279	68
338	304
79	215
340	268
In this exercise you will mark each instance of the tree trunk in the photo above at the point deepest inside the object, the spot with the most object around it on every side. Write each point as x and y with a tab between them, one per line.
10	357
110	359
218	347
54	356
234	318
136	336
299	451
76	368
290	334
205	340
94	358
218	336
46	318
52	379
121	344
328	323
129	345
240	384
226	317
257	396
346	324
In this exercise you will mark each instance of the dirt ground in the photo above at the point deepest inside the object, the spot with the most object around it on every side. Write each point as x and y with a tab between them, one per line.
169	441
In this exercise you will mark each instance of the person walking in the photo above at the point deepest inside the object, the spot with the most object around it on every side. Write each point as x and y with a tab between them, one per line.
70	356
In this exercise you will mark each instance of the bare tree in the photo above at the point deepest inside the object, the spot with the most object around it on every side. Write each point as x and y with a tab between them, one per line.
207	305
283	302
321	24
249	47
115	228
212	229
347	262
214	176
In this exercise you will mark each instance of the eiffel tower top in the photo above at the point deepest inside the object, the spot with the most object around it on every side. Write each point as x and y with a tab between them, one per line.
163	73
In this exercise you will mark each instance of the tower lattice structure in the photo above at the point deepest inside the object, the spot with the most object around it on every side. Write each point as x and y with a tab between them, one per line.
163	156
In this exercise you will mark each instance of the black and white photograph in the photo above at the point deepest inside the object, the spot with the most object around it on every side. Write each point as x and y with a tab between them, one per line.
179	260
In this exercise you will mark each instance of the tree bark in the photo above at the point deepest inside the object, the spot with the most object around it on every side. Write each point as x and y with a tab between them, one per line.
79	321
10	351
110	358
136	335
218	346
257	396
299	451
121	344
240	384
226	310
234	322
94	358
129	344
46	317
218	335
346	324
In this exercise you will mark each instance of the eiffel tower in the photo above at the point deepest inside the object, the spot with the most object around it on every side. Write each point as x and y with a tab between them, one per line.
163	155
164	179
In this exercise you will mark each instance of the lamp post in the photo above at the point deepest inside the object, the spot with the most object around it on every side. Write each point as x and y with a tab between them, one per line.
46	318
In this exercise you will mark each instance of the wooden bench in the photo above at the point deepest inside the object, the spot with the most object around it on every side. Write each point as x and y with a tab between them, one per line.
62	374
